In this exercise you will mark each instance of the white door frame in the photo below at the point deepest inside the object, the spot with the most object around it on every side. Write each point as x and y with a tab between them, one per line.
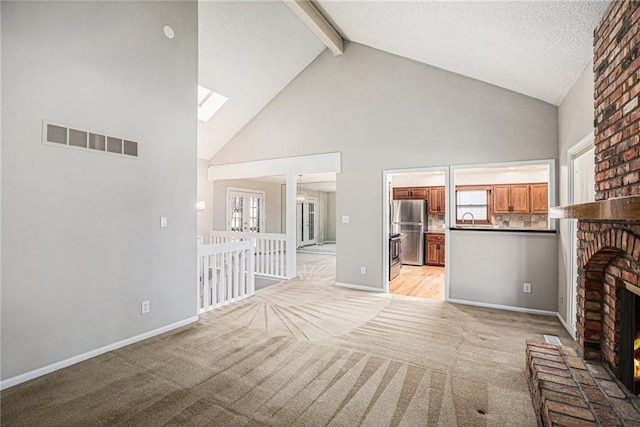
574	152
299	220
262	194
386	186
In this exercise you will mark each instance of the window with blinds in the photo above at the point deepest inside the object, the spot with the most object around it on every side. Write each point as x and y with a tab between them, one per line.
584	177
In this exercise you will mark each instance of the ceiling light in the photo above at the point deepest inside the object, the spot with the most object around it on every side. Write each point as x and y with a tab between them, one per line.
301	196
208	103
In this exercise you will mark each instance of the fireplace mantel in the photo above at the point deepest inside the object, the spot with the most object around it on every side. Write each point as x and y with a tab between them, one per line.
615	209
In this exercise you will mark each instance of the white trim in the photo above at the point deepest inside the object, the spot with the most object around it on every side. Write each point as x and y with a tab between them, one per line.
570	328
583	144
246	191
18	379
317	222
358	287
316	163
505	307
571	291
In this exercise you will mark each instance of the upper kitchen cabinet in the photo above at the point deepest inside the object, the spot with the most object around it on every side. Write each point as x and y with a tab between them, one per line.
436	200
401	193
410	193
511	199
540	198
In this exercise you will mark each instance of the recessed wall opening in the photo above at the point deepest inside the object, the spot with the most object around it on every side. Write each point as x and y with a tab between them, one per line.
502	197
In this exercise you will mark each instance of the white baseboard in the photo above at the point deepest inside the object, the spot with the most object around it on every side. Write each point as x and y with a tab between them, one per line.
358	287
504	307
18	379
570	328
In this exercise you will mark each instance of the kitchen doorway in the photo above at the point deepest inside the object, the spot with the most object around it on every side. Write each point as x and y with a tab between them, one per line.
416	233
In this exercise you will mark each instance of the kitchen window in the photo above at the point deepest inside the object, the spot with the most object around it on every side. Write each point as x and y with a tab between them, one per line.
472	205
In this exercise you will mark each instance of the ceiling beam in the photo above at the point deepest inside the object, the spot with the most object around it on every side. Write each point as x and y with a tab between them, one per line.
317	23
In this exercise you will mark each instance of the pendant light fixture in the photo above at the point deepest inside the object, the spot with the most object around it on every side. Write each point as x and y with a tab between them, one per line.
301	196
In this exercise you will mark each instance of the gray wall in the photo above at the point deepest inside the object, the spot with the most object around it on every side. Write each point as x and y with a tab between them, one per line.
81	238
205	193
385	112
272	202
495	272
330	218
575	121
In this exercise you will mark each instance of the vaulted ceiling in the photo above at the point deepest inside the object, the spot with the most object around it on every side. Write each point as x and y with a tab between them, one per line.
251	50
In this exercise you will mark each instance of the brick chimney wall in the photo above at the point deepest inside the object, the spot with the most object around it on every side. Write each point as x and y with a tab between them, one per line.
608	251
617	113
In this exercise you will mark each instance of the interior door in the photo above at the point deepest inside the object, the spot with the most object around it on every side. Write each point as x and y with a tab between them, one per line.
307	218
245	211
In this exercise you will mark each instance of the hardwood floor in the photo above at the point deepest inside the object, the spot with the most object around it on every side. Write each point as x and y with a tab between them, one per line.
423	282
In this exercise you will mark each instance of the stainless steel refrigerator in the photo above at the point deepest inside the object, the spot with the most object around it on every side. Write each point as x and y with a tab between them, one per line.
409	218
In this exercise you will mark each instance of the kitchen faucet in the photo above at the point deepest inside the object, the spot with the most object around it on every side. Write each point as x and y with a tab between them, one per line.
473	219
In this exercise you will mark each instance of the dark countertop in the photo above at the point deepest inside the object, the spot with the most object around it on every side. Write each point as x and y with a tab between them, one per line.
499	230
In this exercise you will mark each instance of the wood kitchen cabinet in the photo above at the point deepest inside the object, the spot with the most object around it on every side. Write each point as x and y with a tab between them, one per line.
434	242
410	193
511	199
436	200
540	198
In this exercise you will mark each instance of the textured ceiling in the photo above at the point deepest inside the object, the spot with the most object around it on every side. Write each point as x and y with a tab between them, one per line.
248	52
537	48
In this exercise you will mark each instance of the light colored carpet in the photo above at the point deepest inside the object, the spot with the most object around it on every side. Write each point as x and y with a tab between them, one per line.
324	248
304	353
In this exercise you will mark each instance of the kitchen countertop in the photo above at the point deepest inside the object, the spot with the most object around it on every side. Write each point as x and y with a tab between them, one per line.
518	230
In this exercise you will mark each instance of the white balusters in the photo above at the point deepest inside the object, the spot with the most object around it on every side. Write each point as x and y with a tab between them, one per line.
269	255
225	273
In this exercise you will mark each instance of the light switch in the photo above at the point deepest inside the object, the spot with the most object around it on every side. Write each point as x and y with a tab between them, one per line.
345	219
163	222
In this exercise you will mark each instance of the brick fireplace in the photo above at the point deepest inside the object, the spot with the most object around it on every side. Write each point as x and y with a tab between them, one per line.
604	389
608	250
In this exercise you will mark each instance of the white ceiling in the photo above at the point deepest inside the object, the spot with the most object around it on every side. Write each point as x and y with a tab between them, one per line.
250	50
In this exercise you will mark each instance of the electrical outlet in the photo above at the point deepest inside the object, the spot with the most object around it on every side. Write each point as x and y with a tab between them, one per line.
561	299
363	270
527	288
145	307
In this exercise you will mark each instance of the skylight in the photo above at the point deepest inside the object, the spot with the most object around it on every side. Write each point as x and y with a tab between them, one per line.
208	103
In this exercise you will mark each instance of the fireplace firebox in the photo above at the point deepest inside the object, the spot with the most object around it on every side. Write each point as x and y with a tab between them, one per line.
629	371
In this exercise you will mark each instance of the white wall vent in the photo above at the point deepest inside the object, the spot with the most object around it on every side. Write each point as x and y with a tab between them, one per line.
58	135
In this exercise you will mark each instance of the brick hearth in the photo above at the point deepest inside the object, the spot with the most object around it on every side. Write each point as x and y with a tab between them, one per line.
566	391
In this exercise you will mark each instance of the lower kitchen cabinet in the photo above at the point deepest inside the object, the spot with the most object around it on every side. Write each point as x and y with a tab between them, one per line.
434	242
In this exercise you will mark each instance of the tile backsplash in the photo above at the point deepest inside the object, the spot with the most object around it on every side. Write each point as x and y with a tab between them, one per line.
435	223
535	221
520	221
